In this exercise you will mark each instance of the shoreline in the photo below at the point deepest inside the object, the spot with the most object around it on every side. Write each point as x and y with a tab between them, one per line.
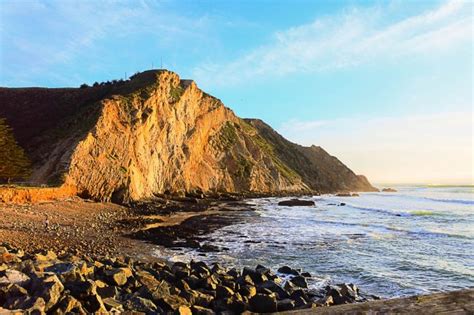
94	231
47	282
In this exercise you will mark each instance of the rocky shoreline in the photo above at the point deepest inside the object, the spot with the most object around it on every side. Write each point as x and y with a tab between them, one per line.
73	256
45	282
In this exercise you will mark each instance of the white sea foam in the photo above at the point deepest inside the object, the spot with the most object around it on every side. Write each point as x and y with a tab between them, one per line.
418	240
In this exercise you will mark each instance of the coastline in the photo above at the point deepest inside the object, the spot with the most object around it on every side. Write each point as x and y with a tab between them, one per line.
105	231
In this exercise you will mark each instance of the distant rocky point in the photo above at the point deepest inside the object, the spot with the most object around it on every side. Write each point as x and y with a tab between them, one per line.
155	133
347	194
389	190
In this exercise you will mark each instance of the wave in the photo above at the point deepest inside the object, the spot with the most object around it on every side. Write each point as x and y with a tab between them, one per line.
394	229
378	210
399	214
459	201
395	195
448	186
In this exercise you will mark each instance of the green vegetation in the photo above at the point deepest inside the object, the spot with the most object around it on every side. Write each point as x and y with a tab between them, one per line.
176	92
80	122
244	168
14	164
269	149
226	137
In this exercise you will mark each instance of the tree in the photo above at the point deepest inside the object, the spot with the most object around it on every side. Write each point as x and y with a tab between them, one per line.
14	164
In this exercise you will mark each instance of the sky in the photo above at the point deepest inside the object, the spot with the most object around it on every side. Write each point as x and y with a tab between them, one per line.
386	86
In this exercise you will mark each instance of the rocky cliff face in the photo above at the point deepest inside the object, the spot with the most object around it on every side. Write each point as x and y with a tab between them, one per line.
157	133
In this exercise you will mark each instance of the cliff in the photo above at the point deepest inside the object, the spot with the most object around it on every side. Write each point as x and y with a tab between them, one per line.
155	133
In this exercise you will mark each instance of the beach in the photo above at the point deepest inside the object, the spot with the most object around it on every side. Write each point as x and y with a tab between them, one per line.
246	233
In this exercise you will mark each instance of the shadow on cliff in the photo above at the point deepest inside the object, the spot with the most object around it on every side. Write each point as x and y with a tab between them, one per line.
49	122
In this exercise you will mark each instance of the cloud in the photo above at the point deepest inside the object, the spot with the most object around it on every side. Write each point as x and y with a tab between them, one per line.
37	36
350	38
436	148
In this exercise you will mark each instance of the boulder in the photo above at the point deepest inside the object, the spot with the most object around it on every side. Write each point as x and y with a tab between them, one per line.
296	203
349	289
209	283
200	269
288	271
138	304
389	190
290	287
147	279
216	268
112	304
13	296
82	289
285	305
223	292
262	303
48	256
274	288
199	310
35	305
262	270
118	276
342	293
109	291
171	302
184	310
248	291
11	276
299	281
256	277
69	305
245	280
94	304
50	289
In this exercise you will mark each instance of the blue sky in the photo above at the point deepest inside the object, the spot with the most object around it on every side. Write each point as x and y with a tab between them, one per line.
386	86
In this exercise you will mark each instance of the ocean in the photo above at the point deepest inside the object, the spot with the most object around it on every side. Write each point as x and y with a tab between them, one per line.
415	241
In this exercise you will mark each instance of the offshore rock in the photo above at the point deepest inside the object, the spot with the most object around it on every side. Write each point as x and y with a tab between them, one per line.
296	202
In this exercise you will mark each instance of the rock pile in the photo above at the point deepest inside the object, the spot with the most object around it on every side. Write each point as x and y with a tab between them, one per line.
45	282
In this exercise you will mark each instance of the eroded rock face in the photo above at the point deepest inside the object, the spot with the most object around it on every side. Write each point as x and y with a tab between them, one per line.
157	133
170	135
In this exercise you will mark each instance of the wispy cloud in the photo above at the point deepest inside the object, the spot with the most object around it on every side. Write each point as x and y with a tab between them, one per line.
421	148
36	35
347	39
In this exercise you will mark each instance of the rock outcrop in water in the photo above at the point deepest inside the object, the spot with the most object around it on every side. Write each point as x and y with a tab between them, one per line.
156	133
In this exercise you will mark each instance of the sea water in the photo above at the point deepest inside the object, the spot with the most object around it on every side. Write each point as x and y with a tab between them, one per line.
414	241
